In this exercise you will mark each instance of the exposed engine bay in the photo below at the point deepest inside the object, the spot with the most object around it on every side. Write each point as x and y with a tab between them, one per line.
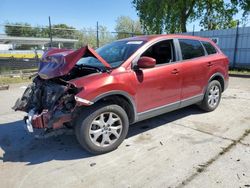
50	104
50	99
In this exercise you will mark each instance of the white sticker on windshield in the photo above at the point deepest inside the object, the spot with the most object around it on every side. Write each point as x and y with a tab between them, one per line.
134	42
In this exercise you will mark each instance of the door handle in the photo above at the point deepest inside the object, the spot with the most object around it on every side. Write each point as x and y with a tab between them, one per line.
175	71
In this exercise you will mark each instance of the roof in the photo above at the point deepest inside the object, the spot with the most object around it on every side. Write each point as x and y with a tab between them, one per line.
163	36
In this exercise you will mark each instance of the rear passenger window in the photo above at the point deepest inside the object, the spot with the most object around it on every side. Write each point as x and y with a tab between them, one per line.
209	48
191	49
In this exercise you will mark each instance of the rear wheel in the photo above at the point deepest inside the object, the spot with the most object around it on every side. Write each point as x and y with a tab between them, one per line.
102	128
212	96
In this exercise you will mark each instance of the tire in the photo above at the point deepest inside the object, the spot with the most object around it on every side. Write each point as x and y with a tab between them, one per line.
101	128
212	96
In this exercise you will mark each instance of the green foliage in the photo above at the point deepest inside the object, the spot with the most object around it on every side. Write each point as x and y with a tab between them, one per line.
172	16
244	5
63	31
20	30
151	14
166	15
87	36
178	13
126	27
105	36
217	14
13	80
26	30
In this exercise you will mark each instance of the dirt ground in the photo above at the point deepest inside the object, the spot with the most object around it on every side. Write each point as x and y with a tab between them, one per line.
184	148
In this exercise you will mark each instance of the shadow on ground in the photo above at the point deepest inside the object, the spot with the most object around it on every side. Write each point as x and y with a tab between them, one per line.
19	146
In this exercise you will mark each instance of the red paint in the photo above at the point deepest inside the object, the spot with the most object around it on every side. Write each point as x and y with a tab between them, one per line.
40	121
158	86
146	62
148	87
58	62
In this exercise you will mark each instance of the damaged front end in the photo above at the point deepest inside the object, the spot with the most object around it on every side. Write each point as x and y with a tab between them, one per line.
49	104
50	99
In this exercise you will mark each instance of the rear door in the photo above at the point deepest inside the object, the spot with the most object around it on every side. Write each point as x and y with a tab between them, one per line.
194	68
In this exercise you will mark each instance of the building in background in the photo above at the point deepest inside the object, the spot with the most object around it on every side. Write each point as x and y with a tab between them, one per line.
29	47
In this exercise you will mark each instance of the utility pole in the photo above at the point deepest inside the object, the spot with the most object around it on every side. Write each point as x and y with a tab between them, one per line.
97	35
193	29
50	32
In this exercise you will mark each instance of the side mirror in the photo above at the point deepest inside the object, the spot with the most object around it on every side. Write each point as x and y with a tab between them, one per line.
146	62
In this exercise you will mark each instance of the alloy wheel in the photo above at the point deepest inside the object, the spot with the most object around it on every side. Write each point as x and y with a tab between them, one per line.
105	129
213	96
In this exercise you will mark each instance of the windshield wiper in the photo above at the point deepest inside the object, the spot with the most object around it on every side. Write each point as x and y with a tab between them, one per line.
91	67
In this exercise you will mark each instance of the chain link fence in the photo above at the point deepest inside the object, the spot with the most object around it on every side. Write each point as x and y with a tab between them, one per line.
235	43
21	46
61	37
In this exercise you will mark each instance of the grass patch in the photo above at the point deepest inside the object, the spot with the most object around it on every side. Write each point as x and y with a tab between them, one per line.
7	70
13	80
239	71
4	69
8	76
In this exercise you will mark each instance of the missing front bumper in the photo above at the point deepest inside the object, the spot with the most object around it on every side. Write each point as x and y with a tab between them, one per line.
28	121
44	120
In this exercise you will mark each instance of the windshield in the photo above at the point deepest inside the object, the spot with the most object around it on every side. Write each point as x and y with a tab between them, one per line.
114	53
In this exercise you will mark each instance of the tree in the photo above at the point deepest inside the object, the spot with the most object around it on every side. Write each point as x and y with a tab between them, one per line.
105	36
172	16
88	36
125	27
26	30
165	15
20	30
244	5
217	14
63	31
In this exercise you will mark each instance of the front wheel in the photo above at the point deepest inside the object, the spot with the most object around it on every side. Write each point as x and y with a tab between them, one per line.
102	128
212	96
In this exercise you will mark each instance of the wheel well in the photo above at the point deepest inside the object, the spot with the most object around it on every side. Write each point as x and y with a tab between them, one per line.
123	102
220	79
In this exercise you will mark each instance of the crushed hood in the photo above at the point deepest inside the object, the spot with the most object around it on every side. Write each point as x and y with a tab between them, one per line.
58	62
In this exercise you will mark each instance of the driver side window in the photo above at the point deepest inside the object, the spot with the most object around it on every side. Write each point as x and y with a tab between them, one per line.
162	52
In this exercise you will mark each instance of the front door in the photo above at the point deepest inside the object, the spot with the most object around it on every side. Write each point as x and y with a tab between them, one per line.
159	86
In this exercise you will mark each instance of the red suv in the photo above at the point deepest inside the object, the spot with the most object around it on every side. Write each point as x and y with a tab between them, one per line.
100	93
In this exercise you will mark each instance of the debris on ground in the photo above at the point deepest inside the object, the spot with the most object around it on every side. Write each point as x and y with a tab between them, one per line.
92	164
4	87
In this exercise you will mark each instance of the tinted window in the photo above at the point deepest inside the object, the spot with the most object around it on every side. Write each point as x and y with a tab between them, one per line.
209	48
162	52
191	49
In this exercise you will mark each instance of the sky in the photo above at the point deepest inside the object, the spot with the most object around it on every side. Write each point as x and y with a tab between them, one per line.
76	13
